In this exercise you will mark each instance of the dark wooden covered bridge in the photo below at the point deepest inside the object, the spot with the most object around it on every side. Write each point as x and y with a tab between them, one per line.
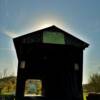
56	58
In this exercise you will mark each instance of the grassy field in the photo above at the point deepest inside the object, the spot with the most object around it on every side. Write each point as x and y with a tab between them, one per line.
84	95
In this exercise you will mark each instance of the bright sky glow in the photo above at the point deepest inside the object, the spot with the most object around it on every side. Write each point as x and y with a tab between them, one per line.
45	21
49	22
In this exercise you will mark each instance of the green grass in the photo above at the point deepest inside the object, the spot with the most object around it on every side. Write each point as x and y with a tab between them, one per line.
84	95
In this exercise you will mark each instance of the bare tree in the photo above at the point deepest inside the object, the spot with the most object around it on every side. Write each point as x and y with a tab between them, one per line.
94	83
5	72
1	75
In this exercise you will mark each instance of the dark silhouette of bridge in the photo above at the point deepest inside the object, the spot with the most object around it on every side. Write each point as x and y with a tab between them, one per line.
56	58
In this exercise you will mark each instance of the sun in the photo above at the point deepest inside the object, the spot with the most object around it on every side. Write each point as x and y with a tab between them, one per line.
44	25
47	21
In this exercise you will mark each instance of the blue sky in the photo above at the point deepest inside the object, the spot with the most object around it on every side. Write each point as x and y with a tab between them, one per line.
79	17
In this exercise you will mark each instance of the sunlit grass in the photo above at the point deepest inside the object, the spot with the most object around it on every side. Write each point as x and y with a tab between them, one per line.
85	95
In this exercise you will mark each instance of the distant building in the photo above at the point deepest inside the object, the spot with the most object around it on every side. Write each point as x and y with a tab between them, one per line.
56	58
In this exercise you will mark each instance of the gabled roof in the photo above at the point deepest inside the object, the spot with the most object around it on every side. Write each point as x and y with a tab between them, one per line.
69	39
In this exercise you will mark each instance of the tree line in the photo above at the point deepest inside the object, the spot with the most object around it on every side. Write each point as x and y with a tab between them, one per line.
93	84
